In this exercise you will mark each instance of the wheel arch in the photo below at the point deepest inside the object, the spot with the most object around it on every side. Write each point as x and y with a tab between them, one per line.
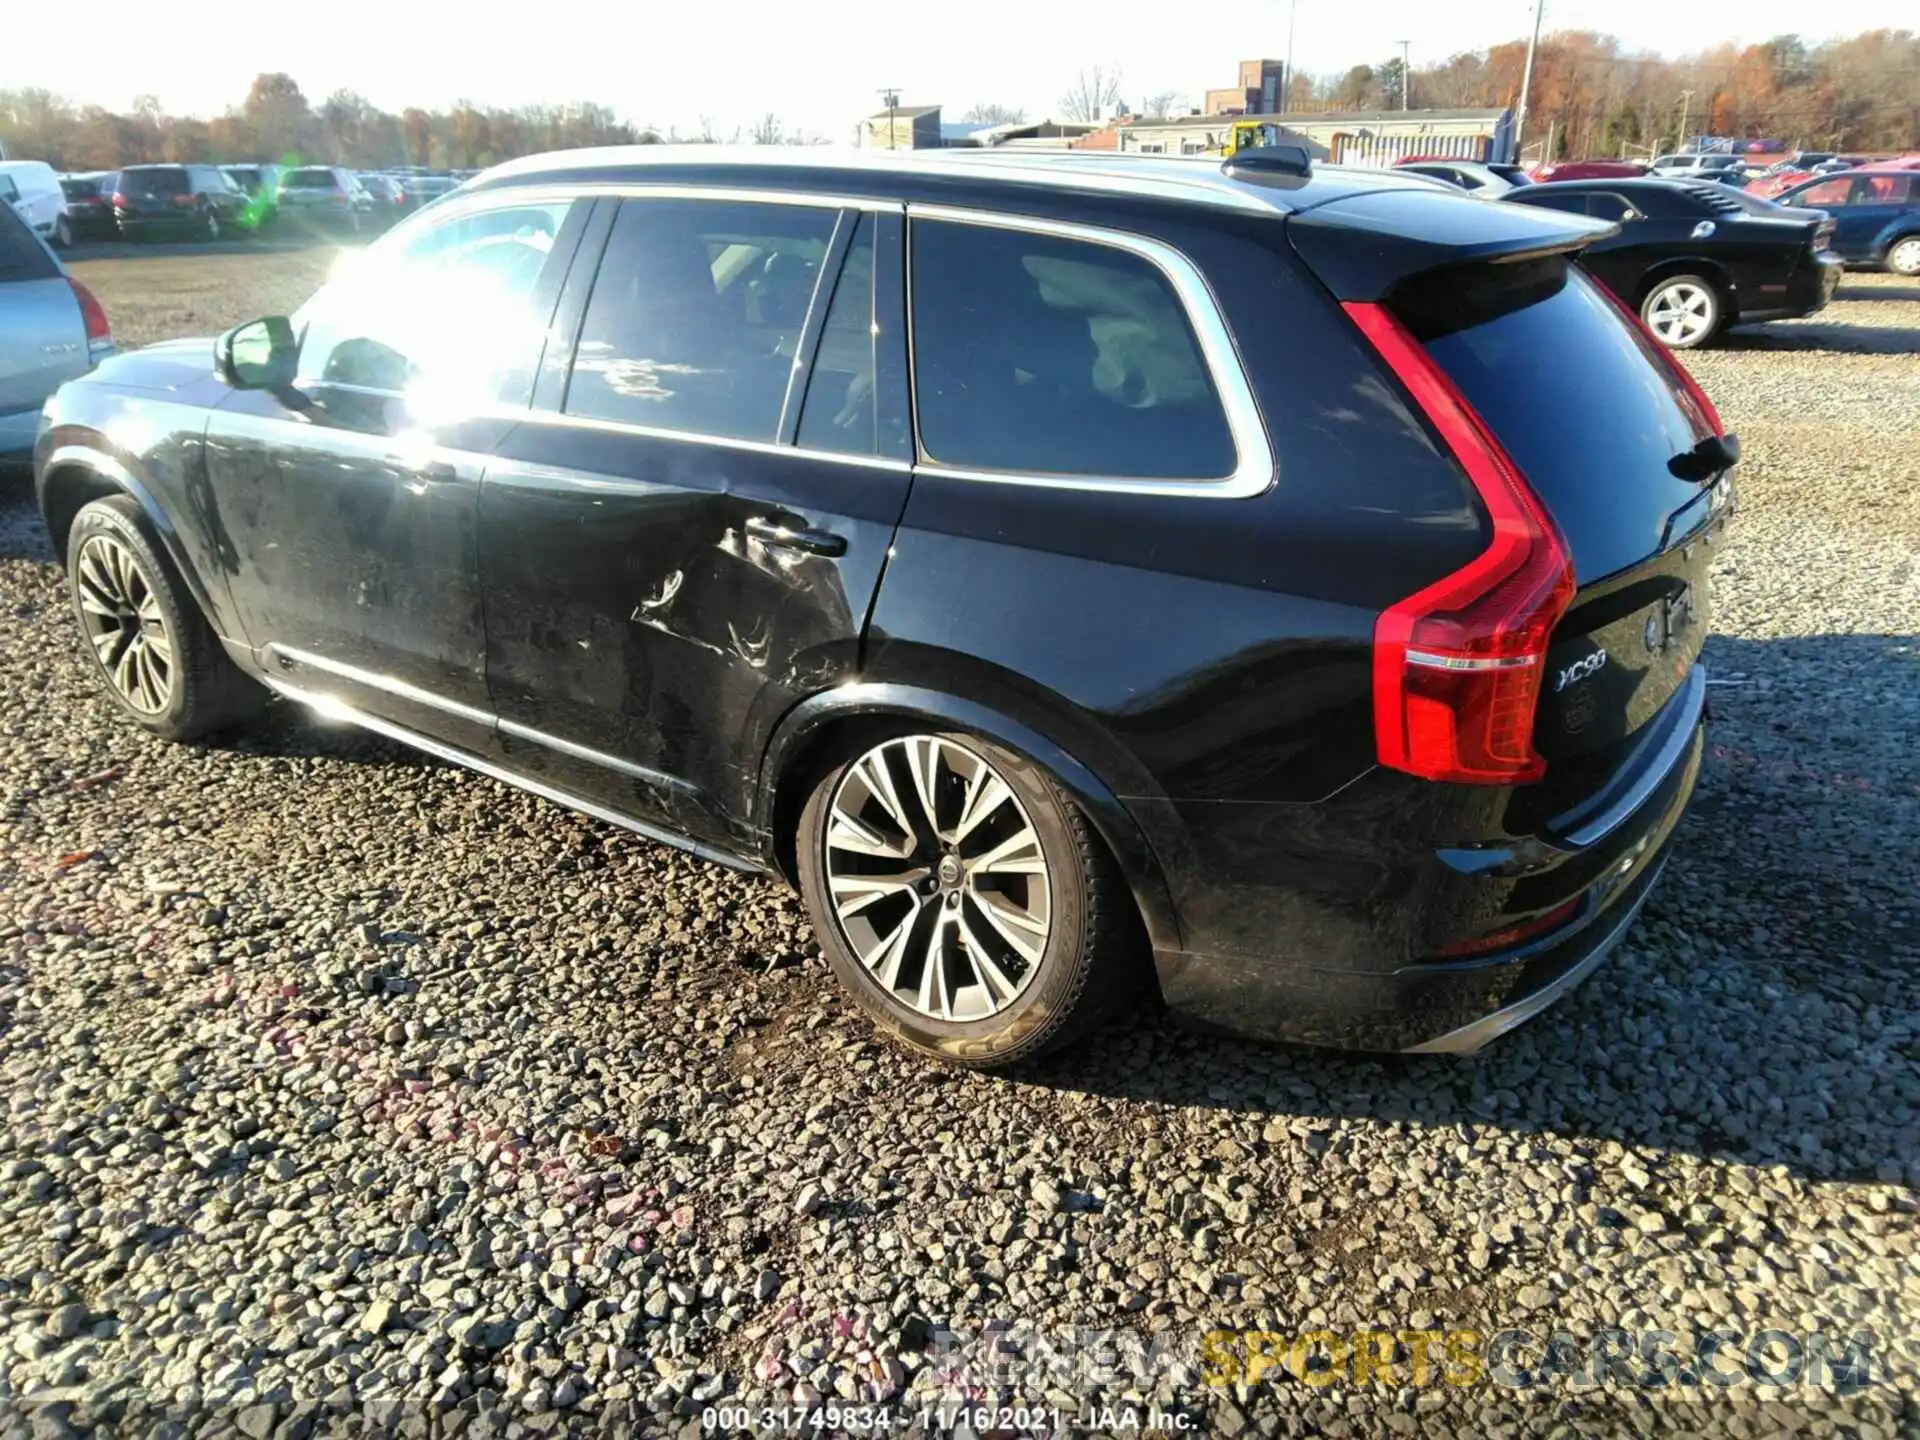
1904	229
822	730
76	475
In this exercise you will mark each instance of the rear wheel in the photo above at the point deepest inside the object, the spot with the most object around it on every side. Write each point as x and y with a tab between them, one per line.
965	902
210	225
63	233
1683	311
1904	257
159	658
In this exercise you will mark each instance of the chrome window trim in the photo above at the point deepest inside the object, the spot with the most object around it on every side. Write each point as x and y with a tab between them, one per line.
697	437
1253	472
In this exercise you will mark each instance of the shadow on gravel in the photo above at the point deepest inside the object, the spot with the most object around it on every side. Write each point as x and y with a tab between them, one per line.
1839	338
1765	1009
1877	292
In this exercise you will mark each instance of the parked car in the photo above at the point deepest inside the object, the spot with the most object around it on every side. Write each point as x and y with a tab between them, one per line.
1690	165
423	190
1876	215
1469	175
389	198
90	205
32	190
324	196
261	185
1693	259
1374	733
54	330
193	200
1588	170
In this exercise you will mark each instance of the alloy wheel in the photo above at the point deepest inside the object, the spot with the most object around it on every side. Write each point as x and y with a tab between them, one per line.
1681	313
937	878
125	625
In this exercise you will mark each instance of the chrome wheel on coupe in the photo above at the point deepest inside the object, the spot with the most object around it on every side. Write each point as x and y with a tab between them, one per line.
161	661
962	898
939	881
123	623
1683	312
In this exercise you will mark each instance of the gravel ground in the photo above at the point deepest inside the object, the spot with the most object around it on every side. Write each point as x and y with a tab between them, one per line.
340	1081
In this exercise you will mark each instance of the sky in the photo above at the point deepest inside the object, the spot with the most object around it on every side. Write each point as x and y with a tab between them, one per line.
818	67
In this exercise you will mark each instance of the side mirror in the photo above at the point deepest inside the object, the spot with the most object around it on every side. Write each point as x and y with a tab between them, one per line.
259	355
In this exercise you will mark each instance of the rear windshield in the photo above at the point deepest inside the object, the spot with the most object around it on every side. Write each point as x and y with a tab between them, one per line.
22	257
309	180
154	182
1579	397
80	189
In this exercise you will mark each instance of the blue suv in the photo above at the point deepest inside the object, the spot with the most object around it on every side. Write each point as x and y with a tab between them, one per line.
1876	215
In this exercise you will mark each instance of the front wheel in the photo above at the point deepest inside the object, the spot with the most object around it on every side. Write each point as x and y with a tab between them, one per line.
162	664
63	233
1904	257
1683	311
965	902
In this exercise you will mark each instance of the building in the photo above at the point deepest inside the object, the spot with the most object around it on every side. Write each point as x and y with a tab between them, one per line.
904	127
1356	137
1261	86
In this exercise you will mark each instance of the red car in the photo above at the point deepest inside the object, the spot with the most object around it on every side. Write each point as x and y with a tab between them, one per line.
1589	170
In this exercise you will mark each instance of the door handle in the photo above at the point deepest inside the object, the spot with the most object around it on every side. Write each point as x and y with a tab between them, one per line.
787	537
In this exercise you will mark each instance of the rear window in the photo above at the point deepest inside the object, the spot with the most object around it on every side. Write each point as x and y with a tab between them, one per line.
154	182
1580	399
309	180
1044	355
22	257
80	189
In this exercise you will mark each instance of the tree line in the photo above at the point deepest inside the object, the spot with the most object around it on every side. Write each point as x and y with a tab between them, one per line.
277	122
1592	97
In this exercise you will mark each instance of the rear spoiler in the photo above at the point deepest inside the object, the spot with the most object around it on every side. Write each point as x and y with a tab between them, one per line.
1363	246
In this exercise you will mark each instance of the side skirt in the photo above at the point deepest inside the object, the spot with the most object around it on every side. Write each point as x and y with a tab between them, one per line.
331	709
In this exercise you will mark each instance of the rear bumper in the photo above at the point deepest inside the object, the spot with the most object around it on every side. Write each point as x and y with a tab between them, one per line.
1618	846
1808	290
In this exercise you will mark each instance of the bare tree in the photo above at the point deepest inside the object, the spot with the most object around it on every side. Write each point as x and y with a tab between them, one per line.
991	113
768	130
1160	106
1092	95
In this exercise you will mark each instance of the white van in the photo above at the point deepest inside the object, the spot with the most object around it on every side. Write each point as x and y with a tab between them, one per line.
33	189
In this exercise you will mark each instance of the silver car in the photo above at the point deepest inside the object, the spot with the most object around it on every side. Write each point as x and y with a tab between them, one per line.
51	330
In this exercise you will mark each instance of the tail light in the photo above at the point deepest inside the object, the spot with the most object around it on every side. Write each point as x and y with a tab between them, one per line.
1705	418
1823	236
185	201
120	199
91	313
1510	936
1457	667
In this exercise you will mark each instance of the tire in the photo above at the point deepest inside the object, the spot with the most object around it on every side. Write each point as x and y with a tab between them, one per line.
1903	257
1040	990
1683	311
209	225
63	233
122	584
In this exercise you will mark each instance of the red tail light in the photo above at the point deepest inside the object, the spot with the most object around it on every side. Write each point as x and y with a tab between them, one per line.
1509	937
120	198
184	201
91	312
1457	667
1704	414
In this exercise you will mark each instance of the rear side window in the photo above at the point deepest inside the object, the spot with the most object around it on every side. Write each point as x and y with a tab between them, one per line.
22	257
839	413
696	315
1046	355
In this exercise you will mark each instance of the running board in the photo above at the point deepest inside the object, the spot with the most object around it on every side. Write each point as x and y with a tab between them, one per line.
329	708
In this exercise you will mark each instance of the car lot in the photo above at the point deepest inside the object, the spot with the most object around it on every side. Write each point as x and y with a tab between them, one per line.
335	1072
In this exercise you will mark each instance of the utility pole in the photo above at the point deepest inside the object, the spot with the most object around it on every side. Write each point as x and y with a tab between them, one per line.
1686	106
892	97
1286	81
1526	84
1406	74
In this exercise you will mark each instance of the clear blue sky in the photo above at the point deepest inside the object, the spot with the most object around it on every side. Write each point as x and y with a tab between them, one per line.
817	66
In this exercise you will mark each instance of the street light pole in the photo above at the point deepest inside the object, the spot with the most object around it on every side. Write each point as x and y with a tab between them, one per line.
892	97
1686	107
1286	80
1406	74
1526	86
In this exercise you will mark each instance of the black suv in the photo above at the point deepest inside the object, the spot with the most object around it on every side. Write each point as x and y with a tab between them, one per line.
1292	576
183	200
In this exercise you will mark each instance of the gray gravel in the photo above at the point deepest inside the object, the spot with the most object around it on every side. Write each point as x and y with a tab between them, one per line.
339	1080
